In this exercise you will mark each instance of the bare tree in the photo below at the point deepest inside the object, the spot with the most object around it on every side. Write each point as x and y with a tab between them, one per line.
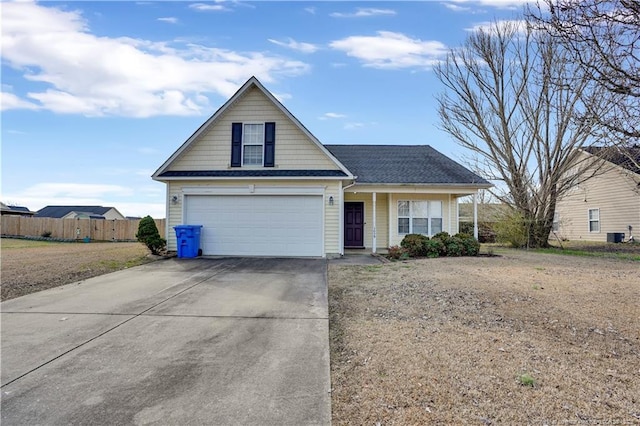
512	99
603	39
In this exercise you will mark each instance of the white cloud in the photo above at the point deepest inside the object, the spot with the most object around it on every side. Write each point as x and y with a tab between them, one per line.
364	13
10	101
390	50
500	4
353	126
490	26
206	7
311	10
296	45
329	115
456	8
94	76
169	19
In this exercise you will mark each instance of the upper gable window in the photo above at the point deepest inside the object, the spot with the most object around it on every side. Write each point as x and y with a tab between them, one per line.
252	144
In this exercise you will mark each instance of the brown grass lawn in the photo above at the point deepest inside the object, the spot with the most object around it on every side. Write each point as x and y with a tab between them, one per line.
30	266
524	338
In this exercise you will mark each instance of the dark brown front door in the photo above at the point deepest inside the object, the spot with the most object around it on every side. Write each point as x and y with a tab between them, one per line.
353	224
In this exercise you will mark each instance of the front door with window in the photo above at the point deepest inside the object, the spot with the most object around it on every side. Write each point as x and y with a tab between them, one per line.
354	225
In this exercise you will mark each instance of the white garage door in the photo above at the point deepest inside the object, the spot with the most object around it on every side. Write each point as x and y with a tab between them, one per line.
257	225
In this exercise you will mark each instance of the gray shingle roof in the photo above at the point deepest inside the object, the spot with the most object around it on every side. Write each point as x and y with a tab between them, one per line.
255	173
61	211
628	159
402	164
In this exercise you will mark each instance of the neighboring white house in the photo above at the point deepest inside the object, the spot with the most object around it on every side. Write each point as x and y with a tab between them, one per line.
606	205
262	185
80	212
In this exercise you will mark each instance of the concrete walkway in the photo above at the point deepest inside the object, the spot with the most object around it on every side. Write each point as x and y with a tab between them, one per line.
180	341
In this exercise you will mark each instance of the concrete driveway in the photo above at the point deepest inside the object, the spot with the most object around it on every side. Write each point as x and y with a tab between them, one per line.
180	341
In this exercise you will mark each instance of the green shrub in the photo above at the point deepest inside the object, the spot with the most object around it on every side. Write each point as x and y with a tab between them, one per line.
512	230
415	244
455	247
471	246
433	248
148	235
444	238
397	253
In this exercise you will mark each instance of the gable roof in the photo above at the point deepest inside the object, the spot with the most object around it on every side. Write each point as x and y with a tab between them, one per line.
61	211
403	164
628	159
252	82
16	210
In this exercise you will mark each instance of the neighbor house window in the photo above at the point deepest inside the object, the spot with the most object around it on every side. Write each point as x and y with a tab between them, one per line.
556	222
419	217
594	220
252	144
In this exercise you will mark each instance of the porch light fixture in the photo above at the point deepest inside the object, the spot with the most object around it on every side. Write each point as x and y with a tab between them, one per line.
331	200
174	199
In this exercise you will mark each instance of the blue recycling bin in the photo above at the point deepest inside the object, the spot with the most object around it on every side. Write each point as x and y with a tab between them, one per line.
188	240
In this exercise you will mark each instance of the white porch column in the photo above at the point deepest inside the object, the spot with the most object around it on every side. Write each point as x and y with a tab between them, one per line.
340	219
374	243
475	215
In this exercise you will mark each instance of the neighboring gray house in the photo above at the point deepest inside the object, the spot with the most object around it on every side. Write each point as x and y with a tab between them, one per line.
80	212
261	184
606	204
15	210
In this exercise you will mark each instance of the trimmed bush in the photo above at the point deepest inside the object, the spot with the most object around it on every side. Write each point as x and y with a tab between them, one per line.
148	235
441	244
471	246
415	244
445	238
398	253
455	247
433	248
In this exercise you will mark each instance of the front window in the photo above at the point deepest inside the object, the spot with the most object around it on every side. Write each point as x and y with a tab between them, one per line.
419	217
594	220
252	144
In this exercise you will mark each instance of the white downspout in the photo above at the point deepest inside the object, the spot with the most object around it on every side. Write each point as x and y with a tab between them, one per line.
375	240
475	215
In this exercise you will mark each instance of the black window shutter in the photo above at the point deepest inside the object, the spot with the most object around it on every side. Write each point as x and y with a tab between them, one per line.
269	144
236	144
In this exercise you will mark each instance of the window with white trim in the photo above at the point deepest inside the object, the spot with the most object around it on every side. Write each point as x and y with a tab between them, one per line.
252	144
594	220
556	222
419	217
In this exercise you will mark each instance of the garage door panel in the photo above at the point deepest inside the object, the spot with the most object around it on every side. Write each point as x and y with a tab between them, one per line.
256	225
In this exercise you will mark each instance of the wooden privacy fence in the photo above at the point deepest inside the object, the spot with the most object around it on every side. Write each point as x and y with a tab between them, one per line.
74	229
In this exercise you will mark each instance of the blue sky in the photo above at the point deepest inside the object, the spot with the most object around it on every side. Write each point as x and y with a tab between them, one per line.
97	95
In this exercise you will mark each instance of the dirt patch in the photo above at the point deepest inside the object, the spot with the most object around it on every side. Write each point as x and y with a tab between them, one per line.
457	340
30	266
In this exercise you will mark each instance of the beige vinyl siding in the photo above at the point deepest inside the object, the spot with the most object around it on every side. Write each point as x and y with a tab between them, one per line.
331	213
293	149
382	217
616	195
